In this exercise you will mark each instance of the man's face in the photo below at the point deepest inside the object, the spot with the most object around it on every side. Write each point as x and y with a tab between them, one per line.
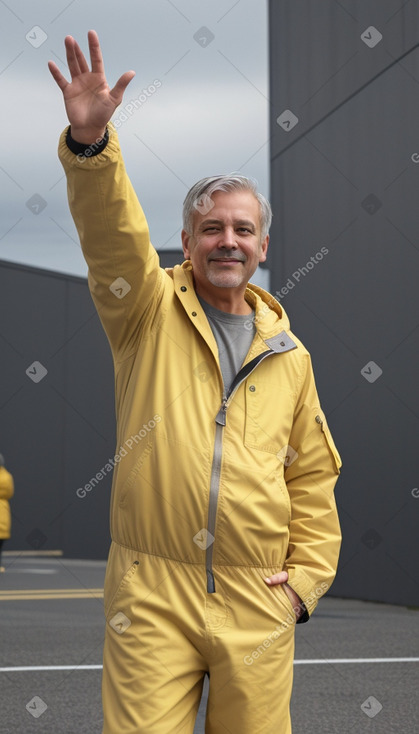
226	244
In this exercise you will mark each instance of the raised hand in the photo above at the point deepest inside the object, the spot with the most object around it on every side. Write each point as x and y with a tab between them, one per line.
89	101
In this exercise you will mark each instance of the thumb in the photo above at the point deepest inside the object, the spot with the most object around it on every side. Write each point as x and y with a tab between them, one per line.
118	91
277	578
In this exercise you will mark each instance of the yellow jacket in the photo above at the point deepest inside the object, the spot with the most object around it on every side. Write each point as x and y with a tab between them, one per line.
255	492
6	492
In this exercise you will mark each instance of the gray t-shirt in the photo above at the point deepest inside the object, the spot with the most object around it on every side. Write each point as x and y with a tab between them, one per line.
234	334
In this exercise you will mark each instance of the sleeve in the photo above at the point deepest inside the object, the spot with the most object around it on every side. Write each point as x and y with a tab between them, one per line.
125	278
311	475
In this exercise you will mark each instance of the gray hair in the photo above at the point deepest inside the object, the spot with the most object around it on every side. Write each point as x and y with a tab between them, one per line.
1	460
199	199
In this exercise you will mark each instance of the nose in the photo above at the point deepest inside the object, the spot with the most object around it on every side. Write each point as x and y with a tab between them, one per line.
228	239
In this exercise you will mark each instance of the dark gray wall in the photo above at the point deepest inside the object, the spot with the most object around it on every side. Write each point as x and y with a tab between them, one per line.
57	433
343	178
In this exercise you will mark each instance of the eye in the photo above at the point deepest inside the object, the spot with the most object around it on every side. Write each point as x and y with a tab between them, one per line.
244	229
210	229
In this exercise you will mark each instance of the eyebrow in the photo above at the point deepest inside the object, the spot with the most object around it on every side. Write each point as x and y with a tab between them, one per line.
237	222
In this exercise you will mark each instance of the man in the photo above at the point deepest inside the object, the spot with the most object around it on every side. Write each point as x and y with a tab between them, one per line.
223	521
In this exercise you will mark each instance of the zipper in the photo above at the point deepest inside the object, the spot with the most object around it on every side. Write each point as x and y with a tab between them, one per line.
330	445
214	489
220	423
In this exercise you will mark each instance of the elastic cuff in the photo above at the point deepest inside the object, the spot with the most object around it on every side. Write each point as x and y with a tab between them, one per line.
303	586
87	151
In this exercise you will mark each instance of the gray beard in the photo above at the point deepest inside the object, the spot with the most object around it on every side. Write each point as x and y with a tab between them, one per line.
225	280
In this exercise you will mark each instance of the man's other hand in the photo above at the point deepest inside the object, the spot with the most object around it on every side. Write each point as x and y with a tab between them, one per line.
282	578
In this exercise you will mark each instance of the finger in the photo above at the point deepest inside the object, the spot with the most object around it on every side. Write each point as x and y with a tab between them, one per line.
277	578
118	91
95	53
72	62
81	60
56	73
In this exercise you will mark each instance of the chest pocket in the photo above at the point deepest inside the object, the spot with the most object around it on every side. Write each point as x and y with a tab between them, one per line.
269	415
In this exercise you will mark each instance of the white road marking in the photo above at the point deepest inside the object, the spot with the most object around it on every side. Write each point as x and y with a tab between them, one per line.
46	668
31	570
342	661
332	661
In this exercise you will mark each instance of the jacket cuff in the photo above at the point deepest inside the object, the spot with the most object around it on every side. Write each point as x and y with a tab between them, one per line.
73	153
299	581
86	150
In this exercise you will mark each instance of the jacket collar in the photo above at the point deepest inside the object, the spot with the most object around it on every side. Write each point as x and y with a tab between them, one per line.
270	317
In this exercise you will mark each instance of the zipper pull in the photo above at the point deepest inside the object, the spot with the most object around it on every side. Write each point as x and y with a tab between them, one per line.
210	582
319	420
221	417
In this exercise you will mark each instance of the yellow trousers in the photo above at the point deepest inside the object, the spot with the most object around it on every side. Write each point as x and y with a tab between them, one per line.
164	631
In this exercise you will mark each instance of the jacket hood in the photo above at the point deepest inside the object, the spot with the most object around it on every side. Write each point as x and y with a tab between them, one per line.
270	317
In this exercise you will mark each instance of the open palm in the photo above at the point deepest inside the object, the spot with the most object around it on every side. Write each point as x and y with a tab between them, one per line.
89	101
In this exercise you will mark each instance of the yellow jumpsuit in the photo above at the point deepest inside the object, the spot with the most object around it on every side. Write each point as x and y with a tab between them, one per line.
208	498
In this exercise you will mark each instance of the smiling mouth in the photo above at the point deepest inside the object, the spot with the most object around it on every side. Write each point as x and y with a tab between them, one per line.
225	260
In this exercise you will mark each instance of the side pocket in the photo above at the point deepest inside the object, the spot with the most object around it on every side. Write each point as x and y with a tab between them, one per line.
280	604
321	421
285	494
284	598
125	581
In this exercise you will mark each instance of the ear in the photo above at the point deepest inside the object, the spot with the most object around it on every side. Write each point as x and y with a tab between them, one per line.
186	242
264	249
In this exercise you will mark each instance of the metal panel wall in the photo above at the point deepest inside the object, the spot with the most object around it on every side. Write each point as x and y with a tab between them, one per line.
57	417
344	259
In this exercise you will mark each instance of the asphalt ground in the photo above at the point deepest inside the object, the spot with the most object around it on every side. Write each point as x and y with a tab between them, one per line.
348	676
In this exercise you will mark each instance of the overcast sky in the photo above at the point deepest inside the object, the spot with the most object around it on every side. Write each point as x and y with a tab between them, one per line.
209	115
